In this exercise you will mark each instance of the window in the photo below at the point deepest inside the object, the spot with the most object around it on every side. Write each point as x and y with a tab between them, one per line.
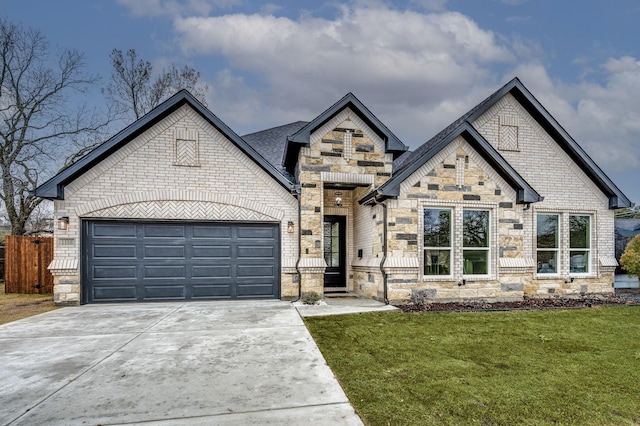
552	244
579	244
471	245
475	242
548	243
437	241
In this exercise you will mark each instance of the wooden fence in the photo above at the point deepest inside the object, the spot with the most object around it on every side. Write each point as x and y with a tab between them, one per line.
26	262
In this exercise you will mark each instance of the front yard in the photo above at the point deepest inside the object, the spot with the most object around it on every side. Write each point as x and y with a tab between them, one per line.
567	367
17	306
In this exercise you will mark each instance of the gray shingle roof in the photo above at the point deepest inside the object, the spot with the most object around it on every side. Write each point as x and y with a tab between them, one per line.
270	143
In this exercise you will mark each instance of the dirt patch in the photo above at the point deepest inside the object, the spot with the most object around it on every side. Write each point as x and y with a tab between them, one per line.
526	303
17	306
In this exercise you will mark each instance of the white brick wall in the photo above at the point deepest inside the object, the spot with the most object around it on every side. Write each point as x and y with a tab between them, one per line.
141	181
551	172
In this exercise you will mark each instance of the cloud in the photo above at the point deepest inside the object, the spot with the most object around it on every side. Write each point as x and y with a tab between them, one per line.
421	68
174	8
603	117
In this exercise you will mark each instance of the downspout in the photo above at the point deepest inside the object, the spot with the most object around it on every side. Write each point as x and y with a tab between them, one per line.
384	249
298	192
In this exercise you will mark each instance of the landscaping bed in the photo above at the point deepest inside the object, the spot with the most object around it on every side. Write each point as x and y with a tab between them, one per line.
527	303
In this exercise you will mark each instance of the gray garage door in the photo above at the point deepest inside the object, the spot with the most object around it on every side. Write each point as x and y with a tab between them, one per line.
163	261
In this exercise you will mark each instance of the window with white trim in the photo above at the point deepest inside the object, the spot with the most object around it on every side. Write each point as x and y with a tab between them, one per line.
548	243
579	244
441	246
563	241
475	242
437	241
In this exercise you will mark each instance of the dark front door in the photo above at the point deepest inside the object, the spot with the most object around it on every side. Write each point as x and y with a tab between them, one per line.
335	253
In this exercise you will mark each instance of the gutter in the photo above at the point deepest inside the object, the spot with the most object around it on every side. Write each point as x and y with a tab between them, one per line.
384	250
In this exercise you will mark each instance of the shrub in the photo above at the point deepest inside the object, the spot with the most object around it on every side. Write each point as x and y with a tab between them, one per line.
310	298
630	259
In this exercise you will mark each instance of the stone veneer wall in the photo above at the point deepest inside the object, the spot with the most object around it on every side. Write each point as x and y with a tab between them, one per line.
336	157
183	169
459	178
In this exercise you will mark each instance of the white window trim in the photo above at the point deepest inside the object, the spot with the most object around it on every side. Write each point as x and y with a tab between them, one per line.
558	249
589	251
564	244
487	249
457	208
450	247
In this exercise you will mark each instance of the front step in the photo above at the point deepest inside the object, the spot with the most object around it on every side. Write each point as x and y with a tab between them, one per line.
341	294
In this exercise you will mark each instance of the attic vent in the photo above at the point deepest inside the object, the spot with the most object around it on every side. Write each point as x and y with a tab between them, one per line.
508	139
348	127
186	149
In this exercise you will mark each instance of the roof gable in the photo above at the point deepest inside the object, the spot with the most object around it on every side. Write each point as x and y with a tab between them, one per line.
525	193
303	136
408	163
54	187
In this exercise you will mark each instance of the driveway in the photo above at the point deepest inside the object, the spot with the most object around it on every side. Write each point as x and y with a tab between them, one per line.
204	363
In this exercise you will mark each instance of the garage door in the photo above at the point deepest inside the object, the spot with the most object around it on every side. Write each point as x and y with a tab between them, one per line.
163	261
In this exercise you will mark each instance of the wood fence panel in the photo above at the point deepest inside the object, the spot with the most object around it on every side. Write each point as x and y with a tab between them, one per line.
26	262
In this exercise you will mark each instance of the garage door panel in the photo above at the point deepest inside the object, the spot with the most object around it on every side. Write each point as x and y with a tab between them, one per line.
255	232
160	271
222	271
164	292
164	251
212	251
212	231
256	252
114	293
164	231
113	272
222	291
110	251
140	261
255	289
255	270
113	230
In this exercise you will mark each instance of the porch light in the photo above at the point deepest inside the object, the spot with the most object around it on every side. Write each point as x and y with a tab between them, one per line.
63	223
290	227
339	199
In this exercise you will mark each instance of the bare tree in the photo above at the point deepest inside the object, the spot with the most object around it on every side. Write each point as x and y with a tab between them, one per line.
132	90
39	124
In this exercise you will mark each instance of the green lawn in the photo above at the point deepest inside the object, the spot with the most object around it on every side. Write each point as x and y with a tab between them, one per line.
561	367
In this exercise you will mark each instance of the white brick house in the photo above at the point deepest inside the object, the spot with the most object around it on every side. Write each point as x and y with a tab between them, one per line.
501	204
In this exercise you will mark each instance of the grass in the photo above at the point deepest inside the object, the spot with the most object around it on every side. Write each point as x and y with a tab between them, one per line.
560	367
17	306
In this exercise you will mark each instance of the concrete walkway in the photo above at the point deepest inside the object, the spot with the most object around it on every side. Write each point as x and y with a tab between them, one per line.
222	363
340	305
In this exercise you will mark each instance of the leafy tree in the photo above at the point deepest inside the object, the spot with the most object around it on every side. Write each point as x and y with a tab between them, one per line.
630	259
133	90
40	126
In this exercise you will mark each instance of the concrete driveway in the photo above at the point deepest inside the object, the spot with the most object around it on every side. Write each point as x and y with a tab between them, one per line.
204	363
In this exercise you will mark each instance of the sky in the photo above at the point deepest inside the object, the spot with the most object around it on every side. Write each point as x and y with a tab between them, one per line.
416	64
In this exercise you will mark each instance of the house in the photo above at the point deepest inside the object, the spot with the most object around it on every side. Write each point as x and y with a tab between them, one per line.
499	205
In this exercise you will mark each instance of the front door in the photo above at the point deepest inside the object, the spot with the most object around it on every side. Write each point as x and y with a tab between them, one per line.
335	253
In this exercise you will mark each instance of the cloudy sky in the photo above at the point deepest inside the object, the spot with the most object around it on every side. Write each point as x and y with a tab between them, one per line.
417	64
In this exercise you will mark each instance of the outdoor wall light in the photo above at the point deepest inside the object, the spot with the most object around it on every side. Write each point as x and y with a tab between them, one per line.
339	199
63	223
290	227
